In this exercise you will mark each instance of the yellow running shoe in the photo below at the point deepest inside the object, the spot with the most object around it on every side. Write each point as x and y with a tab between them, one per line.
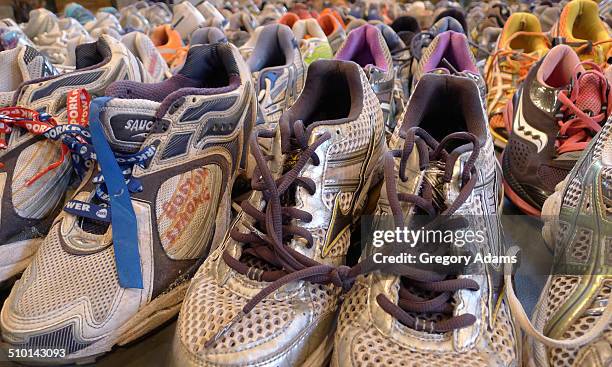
520	44
580	27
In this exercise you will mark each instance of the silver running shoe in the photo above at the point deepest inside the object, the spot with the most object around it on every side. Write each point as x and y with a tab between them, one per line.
268	296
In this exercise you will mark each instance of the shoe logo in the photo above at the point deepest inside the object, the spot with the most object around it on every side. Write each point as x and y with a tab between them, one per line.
339	223
138	126
527	132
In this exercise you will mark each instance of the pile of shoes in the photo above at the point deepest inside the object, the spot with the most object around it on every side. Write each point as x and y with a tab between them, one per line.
230	161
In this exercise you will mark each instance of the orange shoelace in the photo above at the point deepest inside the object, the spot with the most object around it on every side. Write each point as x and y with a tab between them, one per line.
577	129
506	70
39	124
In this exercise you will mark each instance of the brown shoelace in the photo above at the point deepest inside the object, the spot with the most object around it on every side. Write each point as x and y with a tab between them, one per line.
429	281
273	228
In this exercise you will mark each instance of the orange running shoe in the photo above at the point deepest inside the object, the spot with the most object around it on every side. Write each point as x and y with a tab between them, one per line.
167	41
333	30
580	27
520	45
335	14
289	19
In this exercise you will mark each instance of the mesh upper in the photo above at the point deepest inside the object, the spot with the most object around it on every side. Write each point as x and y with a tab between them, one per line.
57	280
368	347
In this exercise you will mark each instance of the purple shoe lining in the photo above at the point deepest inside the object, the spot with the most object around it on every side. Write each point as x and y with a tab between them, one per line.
453	47
363	47
168	91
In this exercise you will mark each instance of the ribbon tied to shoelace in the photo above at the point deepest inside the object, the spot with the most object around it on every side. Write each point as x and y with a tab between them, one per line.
114	183
74	135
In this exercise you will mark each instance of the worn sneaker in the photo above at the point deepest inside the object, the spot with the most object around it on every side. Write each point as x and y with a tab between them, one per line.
265	296
449	53
120	255
367	47
19	65
157	14
201	36
167	41
312	41
554	114
35	172
580	26
132	20
333	30
278	72
572	320
186	19
143	48
520	45
442	164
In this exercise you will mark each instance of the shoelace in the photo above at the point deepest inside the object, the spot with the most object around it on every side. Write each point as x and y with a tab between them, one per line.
576	127
73	135
126	163
589	48
520	315
504	75
429	281
267	243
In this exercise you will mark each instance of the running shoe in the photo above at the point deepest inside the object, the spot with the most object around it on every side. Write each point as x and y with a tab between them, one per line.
119	257
367	47
521	44
288	19
441	166
572	320
268	296
548	14
333	30
449	53
553	116
35	172
143	48
312	41
278	72
40	21
406	27
201	36
105	23
78	12
132	20
496	15
423	39
19	65
581	27
157	14
168	41
213	17
241	27
186	19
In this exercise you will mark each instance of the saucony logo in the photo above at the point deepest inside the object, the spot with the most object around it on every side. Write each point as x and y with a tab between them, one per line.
522	128
138	126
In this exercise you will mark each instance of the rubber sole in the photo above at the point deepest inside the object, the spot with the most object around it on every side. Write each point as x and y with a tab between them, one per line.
524	206
520	203
322	355
15	257
148	318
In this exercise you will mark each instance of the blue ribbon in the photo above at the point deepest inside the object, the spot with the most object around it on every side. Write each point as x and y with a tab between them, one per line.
123	219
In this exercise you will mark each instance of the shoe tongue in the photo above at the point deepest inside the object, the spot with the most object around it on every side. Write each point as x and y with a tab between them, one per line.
589	98
445	194
90	54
